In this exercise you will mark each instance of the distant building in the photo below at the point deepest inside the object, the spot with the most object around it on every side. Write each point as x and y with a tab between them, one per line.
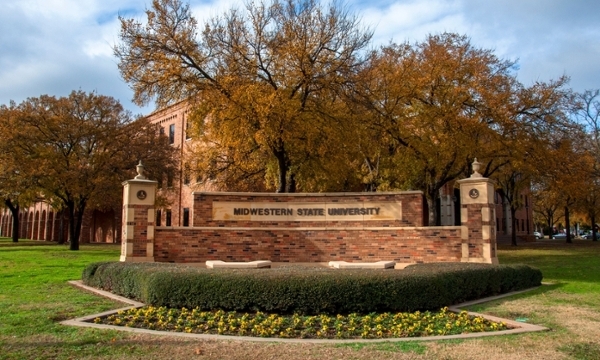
42	222
173	122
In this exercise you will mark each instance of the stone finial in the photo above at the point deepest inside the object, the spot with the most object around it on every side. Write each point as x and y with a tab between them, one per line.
140	170
476	166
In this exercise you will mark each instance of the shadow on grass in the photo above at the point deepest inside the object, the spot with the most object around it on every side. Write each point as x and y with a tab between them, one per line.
404	346
582	350
482	307
94	346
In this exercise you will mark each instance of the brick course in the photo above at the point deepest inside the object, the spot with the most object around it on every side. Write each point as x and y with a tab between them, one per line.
409	245
403	241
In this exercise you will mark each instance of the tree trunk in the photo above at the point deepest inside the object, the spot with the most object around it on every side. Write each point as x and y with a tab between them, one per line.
76	234
568	225
291	185
433	211
283	170
594	232
75	220
513	230
14	210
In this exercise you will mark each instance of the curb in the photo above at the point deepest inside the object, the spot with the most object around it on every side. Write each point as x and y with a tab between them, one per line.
84	322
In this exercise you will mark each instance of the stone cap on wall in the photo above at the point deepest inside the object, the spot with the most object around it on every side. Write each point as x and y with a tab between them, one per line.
217	193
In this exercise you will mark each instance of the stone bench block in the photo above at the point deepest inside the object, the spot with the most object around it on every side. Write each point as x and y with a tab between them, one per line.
362	265
218	264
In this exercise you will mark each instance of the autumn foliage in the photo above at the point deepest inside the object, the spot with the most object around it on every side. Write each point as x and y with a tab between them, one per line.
74	152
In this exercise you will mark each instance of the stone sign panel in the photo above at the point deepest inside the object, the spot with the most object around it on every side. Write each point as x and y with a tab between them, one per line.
303	211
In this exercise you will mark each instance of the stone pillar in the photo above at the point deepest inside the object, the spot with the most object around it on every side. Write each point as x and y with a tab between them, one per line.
137	240
478	218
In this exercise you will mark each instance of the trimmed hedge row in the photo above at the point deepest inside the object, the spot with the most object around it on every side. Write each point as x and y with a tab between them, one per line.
310	290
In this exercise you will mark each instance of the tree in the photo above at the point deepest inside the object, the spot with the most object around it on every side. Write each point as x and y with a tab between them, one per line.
264	82
562	182
16	191
78	149
537	119
512	183
547	209
587	112
437	105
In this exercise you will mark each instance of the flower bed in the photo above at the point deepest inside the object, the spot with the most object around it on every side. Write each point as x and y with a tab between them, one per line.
352	326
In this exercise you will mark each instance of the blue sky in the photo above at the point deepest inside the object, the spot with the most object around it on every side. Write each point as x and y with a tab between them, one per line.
56	46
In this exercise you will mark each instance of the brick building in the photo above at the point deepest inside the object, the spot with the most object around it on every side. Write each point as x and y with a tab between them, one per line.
42	222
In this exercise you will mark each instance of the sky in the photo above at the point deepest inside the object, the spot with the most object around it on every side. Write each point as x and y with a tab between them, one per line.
56	46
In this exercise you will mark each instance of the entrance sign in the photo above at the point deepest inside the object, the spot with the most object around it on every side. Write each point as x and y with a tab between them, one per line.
306	211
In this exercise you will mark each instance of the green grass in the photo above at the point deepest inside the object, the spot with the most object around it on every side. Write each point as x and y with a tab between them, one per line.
576	267
582	351
35	297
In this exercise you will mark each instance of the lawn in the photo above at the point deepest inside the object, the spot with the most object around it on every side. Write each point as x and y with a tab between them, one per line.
35	297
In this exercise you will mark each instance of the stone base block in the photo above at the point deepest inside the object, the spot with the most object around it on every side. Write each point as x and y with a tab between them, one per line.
359	265
218	264
136	259
480	260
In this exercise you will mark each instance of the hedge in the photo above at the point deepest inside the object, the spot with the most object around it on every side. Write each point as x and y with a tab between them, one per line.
310	290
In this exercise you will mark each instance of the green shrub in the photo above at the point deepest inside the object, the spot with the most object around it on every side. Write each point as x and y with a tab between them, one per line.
310	290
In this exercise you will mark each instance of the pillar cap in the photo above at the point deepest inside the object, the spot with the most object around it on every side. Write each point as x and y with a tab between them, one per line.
140	171
476	166
140	178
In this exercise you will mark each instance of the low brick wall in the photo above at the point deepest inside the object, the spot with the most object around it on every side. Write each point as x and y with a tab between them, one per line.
400	237
403	245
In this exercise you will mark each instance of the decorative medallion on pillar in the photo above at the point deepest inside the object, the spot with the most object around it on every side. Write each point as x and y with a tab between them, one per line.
139	195
478	218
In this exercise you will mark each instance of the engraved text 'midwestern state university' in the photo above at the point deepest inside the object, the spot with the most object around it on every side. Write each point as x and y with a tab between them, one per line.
306	211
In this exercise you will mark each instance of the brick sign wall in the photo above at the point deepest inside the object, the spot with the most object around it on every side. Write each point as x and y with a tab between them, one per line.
308	228
306	210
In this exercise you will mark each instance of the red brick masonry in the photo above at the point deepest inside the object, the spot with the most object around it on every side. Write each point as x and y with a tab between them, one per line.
403	241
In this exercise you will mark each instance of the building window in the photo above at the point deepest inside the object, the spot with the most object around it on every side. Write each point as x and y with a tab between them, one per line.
497	224
168	218
186	216
172	134
169	181
186	175
158	217
162	130
187	130
159	182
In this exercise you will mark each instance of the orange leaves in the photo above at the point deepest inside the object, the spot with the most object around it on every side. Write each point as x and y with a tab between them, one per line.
270	77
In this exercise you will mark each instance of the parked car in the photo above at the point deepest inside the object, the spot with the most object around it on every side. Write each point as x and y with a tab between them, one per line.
559	236
538	235
587	236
